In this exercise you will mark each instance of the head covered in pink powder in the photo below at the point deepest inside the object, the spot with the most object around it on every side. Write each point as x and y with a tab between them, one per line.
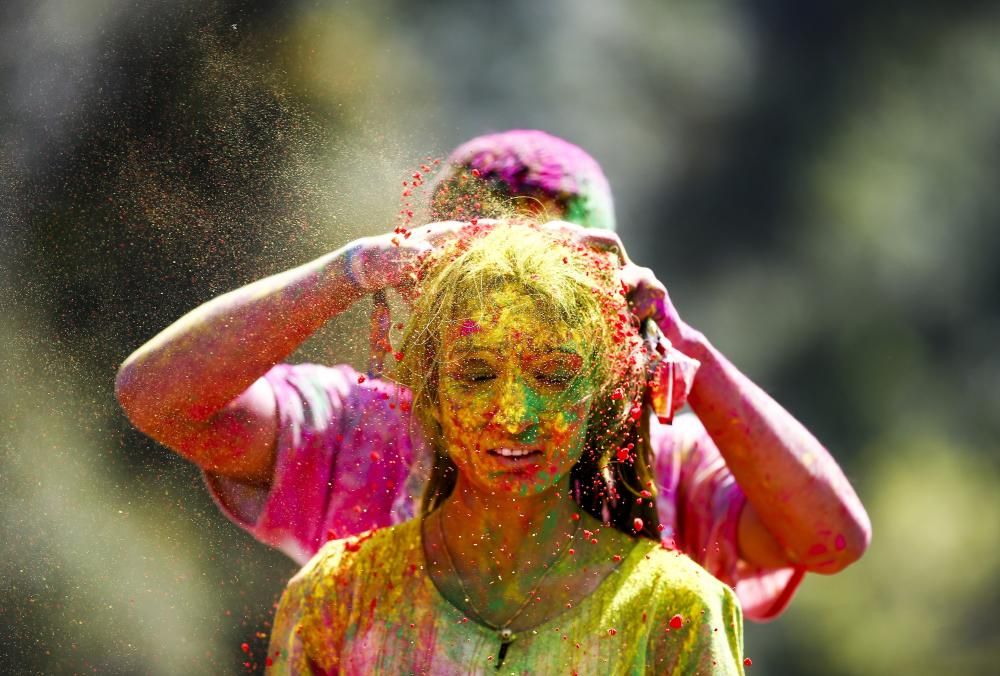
527	163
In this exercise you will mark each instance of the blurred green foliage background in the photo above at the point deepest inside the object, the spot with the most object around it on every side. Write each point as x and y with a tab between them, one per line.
816	183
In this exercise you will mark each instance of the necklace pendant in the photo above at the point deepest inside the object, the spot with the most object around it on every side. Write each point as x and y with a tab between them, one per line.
506	635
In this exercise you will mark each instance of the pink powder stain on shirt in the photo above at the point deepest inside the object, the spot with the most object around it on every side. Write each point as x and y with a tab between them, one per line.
469	327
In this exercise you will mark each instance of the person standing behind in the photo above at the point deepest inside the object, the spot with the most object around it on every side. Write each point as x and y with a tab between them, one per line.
301	454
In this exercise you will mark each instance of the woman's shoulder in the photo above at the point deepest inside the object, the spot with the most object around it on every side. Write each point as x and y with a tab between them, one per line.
353	556
671	573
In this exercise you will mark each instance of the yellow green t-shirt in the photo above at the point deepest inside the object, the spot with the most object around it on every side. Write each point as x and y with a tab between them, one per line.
368	605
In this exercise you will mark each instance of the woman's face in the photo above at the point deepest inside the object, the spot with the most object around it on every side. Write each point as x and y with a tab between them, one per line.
515	394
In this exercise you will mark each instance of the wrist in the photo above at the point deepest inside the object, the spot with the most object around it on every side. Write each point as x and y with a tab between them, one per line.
691	342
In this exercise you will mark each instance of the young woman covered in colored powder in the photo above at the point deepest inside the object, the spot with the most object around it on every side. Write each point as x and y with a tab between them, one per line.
301	454
537	544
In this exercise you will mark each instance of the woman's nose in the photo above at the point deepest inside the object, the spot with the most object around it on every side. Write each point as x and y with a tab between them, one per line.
516	409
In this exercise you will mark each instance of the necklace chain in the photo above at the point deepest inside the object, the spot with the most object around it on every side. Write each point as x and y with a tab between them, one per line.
503	630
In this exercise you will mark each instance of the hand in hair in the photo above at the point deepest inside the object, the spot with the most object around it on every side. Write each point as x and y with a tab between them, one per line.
647	296
390	261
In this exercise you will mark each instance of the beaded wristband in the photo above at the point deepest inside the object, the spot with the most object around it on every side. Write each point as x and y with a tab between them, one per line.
349	256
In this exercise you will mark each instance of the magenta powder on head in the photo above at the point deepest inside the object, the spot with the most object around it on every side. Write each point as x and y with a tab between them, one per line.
528	162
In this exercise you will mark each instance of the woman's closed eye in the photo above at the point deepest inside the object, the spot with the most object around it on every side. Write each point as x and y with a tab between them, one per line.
558	372
555	378
473	371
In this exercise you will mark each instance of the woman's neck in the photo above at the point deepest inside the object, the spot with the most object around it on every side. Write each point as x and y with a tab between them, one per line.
500	533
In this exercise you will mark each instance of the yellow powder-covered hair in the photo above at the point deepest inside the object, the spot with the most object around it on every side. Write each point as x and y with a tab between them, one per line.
568	283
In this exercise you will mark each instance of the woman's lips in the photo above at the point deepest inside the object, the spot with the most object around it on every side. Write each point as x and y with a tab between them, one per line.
513	452
516	457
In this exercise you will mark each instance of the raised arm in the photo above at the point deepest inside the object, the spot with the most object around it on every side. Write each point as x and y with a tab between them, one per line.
196	387
801	510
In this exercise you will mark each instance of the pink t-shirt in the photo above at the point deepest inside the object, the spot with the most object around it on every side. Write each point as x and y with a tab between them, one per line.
349	459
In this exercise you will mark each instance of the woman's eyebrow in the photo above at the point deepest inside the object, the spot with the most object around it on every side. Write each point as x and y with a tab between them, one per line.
556	352
568	348
471	349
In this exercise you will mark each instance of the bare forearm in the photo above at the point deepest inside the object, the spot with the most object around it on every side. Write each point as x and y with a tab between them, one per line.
205	359
796	487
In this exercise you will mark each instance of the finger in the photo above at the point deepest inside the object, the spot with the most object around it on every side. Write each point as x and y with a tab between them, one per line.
599	240
646	295
608	242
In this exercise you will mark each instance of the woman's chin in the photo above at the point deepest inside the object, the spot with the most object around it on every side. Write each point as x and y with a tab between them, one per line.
529	481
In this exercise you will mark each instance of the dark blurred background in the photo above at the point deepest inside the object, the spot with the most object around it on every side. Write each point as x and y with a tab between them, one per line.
816	183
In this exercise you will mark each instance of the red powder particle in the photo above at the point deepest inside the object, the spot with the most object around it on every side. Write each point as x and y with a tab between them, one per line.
618	394
374	456
476	173
623	454
572	551
645	494
474	221
245	647
612	631
676	621
616	558
575	517
361	379
747	661
268	662
637	523
398	356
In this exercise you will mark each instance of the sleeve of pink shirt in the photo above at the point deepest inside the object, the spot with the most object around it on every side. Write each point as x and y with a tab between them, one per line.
343	461
699	504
